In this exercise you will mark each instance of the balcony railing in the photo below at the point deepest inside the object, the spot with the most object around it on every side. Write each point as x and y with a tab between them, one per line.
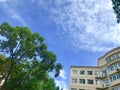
101	76
103	87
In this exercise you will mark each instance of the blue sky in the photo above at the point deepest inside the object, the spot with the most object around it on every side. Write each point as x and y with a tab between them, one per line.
77	31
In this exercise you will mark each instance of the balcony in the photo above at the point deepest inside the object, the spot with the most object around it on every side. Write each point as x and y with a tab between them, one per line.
103	87
101	76
114	71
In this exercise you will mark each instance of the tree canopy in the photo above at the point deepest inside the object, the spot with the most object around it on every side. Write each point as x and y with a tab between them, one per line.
116	8
25	61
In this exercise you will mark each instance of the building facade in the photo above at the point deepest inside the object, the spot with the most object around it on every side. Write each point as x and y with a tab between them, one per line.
104	76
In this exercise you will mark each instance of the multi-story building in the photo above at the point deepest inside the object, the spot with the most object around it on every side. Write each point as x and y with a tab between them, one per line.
104	76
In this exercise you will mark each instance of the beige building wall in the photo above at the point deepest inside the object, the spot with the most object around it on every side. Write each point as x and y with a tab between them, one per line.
84	76
105	76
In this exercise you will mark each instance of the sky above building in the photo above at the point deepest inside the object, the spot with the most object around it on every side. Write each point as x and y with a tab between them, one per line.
77	31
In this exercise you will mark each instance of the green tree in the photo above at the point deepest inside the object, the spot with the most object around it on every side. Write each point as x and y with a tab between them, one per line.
24	59
116	8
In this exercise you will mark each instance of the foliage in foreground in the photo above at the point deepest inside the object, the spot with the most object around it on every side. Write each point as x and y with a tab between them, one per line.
25	61
116	8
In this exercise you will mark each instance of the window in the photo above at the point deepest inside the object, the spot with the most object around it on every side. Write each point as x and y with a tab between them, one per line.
90	81
89	72
98	82
116	88
104	71
74	72
74	80
73	89
115	77
114	66
82	72
110	68
113	57
105	82
118	64
82	81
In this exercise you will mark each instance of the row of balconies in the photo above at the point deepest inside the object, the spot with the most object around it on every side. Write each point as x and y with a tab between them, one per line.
108	86
111	84
102	76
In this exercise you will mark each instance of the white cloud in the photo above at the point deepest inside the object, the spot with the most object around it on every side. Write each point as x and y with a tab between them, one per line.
61	84
62	74
91	25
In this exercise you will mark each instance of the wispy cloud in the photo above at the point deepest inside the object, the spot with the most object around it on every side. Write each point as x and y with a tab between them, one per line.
91	25
7	7
61	84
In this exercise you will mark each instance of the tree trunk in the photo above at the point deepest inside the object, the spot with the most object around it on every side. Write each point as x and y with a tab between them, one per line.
6	79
